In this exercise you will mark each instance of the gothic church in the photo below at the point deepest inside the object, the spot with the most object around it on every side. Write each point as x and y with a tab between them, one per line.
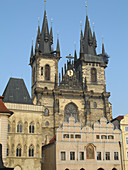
80	91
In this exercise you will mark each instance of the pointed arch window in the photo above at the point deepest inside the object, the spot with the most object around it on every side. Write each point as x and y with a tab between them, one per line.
31	127
46	112
31	151
18	150
47	72
93	75
19	127
7	150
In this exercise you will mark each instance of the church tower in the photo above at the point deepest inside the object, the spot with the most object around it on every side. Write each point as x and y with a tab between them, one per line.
81	90
44	62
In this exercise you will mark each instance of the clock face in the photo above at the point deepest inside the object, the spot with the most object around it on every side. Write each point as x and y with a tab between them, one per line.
70	72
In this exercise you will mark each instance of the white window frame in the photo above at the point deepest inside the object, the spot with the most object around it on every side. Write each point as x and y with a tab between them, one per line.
65	155
96	155
69	155
114	155
79	156
110	156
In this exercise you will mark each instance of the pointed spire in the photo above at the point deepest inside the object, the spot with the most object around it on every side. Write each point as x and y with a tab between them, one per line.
38	32
32	49
51	34
36	46
31	55
58	46
45	44
103	49
75	56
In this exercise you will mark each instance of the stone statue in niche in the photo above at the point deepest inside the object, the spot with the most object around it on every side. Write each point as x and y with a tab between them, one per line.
90	152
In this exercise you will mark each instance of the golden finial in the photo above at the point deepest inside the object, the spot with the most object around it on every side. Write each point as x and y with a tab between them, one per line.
51	21
81	24
102	39
86	7
44	0
93	26
38	21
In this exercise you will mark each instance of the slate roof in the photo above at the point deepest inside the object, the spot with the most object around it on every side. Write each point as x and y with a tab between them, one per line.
3	108
16	92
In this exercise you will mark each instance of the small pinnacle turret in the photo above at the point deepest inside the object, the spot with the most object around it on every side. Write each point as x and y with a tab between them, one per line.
58	48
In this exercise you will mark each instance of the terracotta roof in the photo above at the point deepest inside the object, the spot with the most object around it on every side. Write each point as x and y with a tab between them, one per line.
52	140
3	108
119	117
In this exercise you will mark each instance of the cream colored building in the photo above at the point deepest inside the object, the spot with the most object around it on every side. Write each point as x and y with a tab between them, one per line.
124	129
84	148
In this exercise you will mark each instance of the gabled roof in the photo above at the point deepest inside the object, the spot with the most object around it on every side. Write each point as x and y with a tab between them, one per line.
16	92
119	118
3	108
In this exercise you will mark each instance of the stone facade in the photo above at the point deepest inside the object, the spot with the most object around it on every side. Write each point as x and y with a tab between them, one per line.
84	148
80	91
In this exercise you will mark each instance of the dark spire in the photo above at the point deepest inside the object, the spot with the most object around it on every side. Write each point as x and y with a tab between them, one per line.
31	55
38	32
45	45
36	46
58	46
103	49
88	40
75	56
51	34
94	40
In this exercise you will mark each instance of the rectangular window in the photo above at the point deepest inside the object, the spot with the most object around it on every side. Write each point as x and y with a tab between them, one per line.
63	156
116	156
107	155
78	136
98	155
126	140
97	136
66	136
41	71
72	155
127	155
81	155
103	137
126	129
72	136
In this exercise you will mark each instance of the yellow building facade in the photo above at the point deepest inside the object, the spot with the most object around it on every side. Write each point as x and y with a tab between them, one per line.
124	129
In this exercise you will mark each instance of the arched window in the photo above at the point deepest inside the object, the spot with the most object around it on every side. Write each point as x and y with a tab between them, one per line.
41	71
66	169
8	127
100	169
31	127
18	150
19	127
82	169
31	151
90	152
93	75
7	150
46	112
71	110
47	72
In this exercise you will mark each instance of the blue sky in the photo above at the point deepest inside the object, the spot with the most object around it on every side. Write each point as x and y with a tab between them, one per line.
18	24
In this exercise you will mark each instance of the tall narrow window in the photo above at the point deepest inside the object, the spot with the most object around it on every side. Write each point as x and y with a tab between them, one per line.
98	155
41	71
93	75
63	156
19	127
31	151
7	150
72	155
81	156
9	127
47	72
107	155
18	150
31	128
116	156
